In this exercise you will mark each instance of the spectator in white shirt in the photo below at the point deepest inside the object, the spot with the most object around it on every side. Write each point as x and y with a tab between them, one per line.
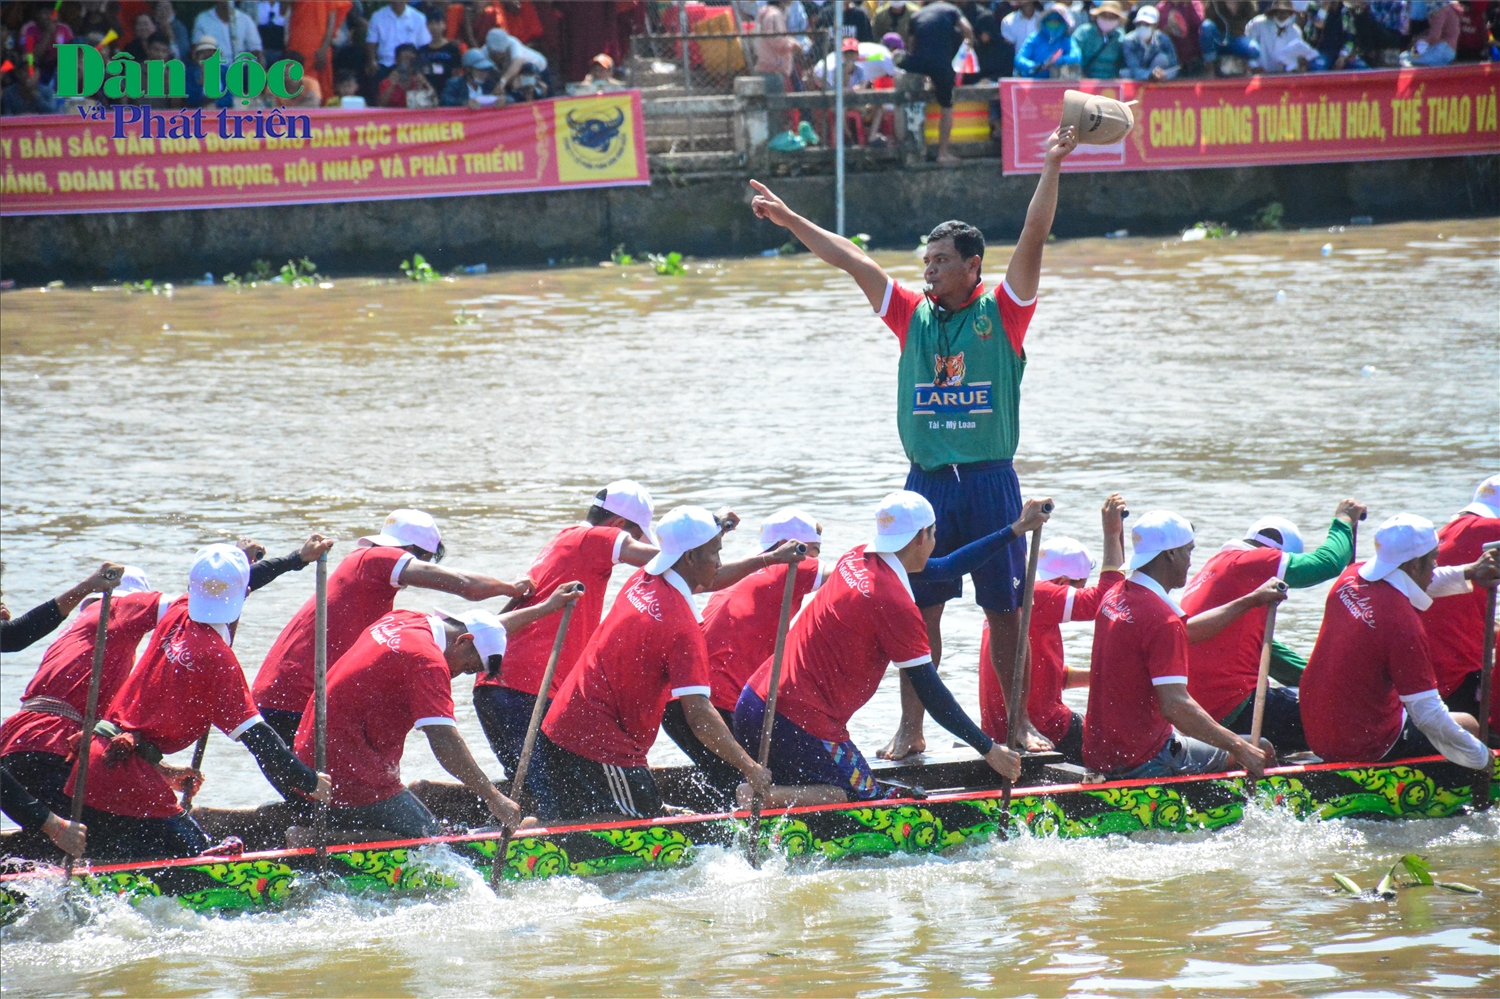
1282	48
390	26
233	31
1021	22
511	56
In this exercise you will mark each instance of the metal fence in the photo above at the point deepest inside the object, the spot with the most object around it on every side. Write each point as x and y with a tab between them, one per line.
696	63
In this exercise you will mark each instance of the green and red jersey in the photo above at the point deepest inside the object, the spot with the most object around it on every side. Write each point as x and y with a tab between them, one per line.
959	381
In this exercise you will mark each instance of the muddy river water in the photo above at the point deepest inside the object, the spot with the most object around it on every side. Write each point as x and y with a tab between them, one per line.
139	427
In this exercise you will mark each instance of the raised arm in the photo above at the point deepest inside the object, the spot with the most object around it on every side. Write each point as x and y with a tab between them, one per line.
1025	269
830	248
469	585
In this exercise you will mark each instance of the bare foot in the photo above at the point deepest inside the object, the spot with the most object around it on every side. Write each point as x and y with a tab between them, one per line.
1033	741
904	744
948	160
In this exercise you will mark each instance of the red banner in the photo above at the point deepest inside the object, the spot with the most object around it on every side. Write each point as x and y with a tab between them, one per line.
59	164
1267	120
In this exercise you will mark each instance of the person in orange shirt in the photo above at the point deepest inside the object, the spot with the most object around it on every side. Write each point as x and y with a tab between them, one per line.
310	31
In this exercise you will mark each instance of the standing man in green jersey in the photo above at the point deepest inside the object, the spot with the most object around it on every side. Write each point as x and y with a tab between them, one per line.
957	404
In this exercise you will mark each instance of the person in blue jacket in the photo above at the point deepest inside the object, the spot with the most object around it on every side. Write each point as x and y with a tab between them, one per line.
1048	47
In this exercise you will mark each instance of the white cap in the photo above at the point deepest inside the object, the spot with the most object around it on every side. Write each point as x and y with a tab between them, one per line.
681	530
1157	531
489	633
1146	15
497	39
1291	538
901	515
132	580
217	584
629	499
1400	539
1486	498
1063	558
789	524
406	527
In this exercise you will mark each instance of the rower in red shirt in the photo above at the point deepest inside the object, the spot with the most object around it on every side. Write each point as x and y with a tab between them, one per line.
739	626
862	620
591	753
1369	693
1222	671
187	680
361	589
617	529
396	677
39	742
1062	594
1455	624
1141	720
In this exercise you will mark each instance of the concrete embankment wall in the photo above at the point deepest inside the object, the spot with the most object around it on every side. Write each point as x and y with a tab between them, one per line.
709	216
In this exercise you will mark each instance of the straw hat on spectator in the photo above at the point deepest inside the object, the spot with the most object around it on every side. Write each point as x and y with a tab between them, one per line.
1111	7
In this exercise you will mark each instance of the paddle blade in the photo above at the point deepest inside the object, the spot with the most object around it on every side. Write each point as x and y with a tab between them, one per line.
1346	885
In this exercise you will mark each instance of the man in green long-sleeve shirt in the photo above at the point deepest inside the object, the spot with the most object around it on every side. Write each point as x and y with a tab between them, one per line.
1222	671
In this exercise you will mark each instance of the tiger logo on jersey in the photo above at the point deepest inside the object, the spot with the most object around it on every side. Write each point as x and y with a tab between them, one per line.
948	370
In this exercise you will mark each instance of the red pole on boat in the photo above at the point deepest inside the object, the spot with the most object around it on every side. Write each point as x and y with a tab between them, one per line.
320	707
91	716
768	723
1263	682
538	710
1480	796
1020	674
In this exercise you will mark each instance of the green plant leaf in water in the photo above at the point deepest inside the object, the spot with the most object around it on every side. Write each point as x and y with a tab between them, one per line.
1417	867
668	265
1459	887
1387	886
1345	884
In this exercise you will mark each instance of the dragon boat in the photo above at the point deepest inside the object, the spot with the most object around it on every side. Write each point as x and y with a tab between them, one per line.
937	804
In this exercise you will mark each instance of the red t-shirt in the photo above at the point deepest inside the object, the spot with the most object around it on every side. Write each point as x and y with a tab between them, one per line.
393	679
1015	317
361	589
187	680
861	620
1371	652
1140	642
648	651
68	666
740	622
1223	671
581	553
1054	602
1455	625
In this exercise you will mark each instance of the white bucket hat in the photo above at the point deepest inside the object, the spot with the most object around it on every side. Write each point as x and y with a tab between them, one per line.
217	584
789	524
1400	539
681	530
1063	558
1486	498
406	527
1157	531
901	515
1291	538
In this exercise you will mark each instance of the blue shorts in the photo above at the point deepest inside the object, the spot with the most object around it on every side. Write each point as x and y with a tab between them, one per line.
799	758
1180	755
972	501
505	715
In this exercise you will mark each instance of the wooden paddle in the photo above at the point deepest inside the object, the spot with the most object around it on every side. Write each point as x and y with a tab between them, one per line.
538	710
197	768
320	708
91	716
768	723
1020	674
1263	682
1354	538
1480	795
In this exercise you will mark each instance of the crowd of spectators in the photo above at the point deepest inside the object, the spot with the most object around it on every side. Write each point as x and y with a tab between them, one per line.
353	54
